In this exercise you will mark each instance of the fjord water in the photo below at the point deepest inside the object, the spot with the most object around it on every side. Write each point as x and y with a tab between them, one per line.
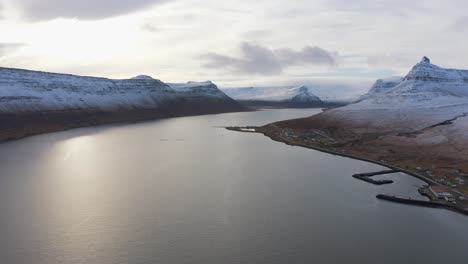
185	190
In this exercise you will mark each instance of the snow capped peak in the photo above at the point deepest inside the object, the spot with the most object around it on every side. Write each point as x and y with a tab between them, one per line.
425	86
143	77
303	89
304	96
425	71
425	60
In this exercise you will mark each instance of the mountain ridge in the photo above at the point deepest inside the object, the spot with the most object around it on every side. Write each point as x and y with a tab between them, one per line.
34	102
425	86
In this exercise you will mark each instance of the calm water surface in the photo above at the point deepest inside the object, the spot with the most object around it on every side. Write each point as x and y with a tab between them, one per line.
183	190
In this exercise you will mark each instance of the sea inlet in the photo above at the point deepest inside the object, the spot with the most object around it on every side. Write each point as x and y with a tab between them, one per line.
186	190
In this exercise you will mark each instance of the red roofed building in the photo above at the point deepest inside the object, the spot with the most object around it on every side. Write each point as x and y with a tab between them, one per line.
441	193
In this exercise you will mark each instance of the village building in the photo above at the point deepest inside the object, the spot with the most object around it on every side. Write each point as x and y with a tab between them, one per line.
441	193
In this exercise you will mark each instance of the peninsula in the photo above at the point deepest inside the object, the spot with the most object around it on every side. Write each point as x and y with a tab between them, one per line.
416	124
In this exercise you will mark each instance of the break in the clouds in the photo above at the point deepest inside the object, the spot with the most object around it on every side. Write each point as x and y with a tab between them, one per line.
260	60
82	9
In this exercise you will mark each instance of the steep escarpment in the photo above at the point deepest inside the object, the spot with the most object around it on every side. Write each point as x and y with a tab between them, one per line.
34	102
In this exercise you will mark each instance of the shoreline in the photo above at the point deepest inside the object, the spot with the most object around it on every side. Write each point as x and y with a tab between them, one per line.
261	130
109	121
387	165
133	120
289	105
58	127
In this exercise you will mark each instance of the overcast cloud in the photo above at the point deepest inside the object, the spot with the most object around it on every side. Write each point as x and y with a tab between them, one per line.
82	9
6	48
234	42
395	7
461	24
256	59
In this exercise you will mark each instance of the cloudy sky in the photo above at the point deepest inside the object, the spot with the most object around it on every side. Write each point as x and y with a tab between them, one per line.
234	42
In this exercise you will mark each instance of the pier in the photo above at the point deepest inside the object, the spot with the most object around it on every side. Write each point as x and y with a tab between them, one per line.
430	204
367	177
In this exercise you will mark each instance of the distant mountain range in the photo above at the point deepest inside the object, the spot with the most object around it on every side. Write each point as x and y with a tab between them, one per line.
293	97
34	102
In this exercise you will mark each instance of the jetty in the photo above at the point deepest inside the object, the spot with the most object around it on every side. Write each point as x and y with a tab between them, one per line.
416	202
367	177
247	129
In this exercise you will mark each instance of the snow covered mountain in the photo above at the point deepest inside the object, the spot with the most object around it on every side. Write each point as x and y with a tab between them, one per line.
425	86
205	89
426	96
381	86
276	94
418	122
24	91
32	100
304	96
288	96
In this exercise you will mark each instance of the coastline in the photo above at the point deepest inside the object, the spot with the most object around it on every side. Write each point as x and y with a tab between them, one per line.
43	123
328	151
268	133
260	104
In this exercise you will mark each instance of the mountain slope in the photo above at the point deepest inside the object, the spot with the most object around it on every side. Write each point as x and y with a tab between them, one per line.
417	122
35	102
31	91
427	95
426	85
381	86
